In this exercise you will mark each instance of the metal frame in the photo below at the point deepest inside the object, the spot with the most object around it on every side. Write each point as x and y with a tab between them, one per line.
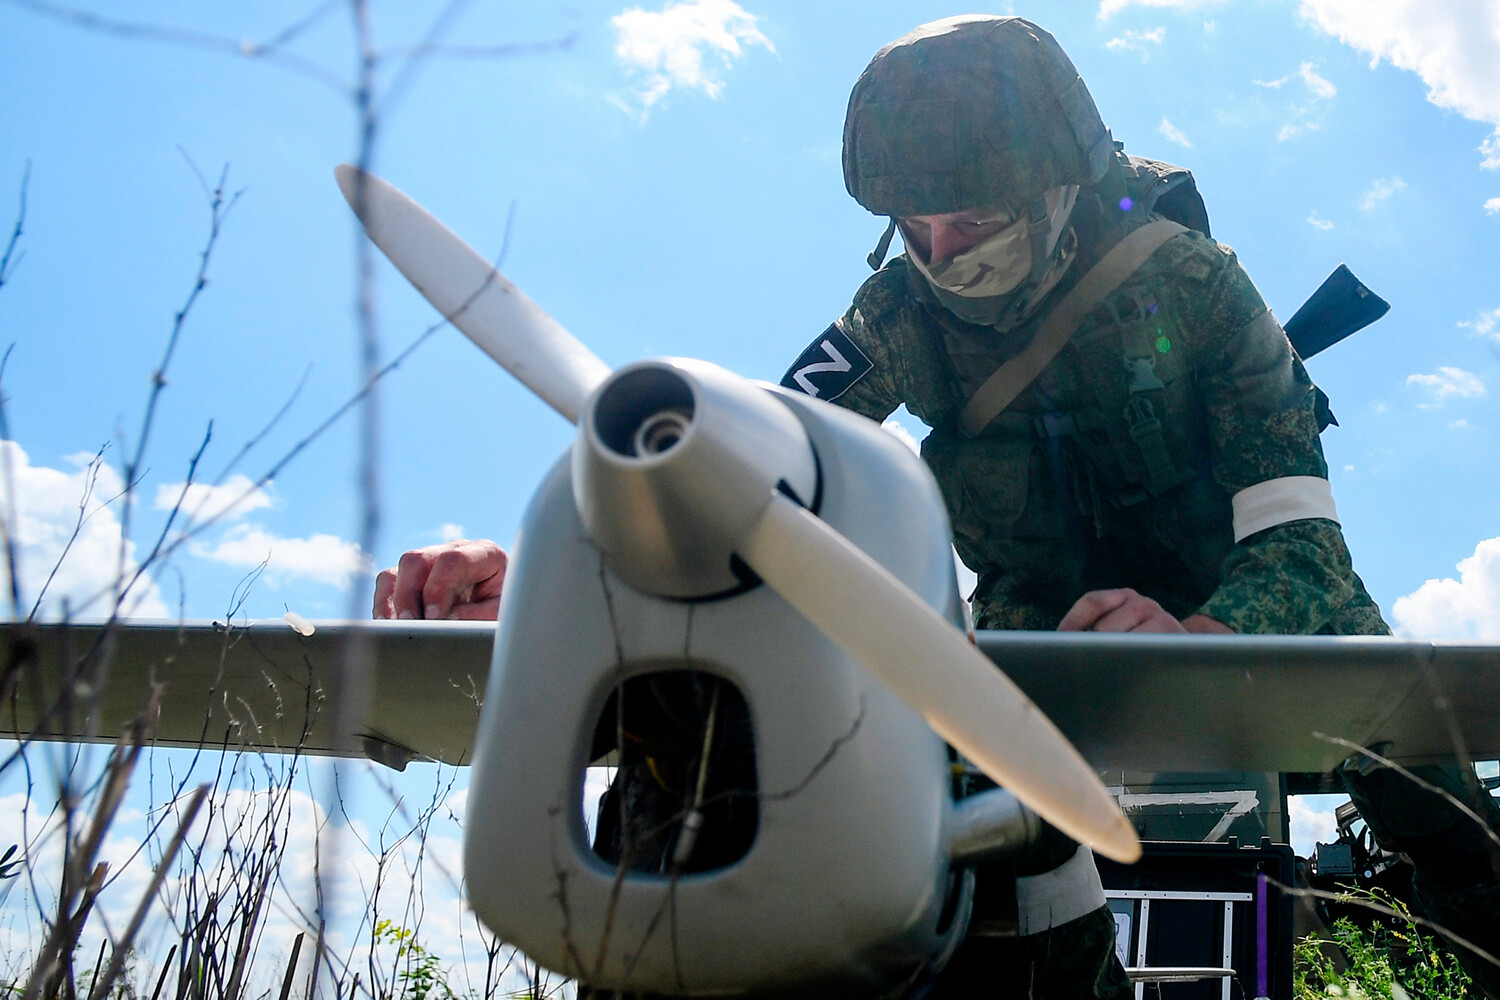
1140	973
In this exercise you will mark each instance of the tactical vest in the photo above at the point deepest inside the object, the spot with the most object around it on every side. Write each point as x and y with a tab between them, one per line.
1114	421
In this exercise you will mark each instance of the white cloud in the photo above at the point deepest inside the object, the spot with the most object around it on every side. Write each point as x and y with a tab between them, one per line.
666	48
1459	425
1320	87
35	823
52	505
1136	40
1454	47
1312	821
1485	323
1318	223
1491	149
1173	133
255	811
237	496
1290	131
1448	383
1379	191
1466	608
1109	8
898	429
320	558
1492	206
1209	27
1272	84
451	532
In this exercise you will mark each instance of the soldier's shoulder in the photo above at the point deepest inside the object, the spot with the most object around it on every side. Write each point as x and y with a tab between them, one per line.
886	295
1194	257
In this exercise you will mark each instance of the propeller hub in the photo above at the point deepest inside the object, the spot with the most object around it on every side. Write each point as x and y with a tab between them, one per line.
677	459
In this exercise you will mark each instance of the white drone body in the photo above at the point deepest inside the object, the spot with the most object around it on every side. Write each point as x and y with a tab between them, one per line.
716	534
846	885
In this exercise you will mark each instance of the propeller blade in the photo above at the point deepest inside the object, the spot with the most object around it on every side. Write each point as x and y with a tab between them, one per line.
479	300
934	668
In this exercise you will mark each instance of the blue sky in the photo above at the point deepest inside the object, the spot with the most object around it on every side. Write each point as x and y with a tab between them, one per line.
676	190
669	181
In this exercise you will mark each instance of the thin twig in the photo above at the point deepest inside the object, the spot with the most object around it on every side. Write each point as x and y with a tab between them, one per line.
87	20
1412	777
218	212
413	56
7	265
1386	911
10	516
91	480
122	948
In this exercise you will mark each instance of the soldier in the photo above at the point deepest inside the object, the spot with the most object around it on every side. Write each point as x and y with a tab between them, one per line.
1122	433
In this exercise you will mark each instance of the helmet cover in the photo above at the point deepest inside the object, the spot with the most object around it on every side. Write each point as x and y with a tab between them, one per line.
969	112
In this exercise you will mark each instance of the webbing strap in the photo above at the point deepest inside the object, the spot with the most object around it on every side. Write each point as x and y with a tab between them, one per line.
1007	381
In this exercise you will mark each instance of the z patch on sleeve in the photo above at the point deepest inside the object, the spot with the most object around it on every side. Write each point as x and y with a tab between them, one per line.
829	366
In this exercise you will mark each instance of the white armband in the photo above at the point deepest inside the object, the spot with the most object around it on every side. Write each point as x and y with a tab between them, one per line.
1278	501
1051	899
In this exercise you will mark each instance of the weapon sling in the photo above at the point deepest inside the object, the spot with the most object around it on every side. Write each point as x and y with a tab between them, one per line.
1007	381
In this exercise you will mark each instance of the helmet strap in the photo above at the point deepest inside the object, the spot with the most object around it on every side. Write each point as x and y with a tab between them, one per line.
1041	228
877	256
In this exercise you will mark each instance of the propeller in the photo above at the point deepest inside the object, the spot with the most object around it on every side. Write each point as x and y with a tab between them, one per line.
472	295
853	600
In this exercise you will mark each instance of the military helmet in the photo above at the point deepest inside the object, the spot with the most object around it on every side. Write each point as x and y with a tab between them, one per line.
968	112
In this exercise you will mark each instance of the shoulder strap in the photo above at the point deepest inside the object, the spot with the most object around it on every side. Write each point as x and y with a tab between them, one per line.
1009	379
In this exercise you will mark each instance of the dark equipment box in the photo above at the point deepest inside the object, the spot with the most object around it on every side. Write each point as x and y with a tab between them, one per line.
1204	921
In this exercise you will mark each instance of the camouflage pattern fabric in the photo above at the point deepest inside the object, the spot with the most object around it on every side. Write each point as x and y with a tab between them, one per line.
1117	465
1073	962
1115	468
967	112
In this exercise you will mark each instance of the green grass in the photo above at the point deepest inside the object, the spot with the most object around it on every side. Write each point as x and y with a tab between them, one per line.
1388	957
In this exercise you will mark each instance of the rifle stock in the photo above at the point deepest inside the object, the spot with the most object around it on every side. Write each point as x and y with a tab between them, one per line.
1341	305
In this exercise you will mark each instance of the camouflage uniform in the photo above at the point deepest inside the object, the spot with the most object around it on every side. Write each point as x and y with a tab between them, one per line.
1118	466
1065	493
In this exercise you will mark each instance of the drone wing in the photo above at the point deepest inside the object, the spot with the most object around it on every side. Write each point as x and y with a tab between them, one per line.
862	608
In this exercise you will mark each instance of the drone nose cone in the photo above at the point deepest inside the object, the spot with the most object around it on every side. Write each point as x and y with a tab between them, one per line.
676	461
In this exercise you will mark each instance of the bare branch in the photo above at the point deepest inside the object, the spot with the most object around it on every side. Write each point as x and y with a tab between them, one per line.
10	516
413	56
271	51
7	265
95	464
1386	911
260	435
103	983
500	51
1462	807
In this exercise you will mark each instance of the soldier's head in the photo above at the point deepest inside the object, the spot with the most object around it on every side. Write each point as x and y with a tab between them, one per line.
975	134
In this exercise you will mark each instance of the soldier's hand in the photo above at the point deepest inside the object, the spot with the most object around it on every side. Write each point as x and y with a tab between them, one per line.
459	579
1121	610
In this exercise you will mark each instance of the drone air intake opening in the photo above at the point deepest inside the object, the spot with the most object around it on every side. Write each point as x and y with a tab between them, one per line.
684	795
645	412
660	432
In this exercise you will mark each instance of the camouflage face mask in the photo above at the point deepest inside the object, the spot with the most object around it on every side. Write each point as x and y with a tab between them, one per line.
998	281
993	267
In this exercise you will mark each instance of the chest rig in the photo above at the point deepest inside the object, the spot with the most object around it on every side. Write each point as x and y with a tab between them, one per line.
1112	421
1121	394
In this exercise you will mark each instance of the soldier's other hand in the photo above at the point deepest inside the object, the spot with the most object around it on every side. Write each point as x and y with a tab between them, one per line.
1121	610
459	579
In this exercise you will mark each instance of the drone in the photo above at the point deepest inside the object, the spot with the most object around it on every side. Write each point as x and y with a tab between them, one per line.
743	599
